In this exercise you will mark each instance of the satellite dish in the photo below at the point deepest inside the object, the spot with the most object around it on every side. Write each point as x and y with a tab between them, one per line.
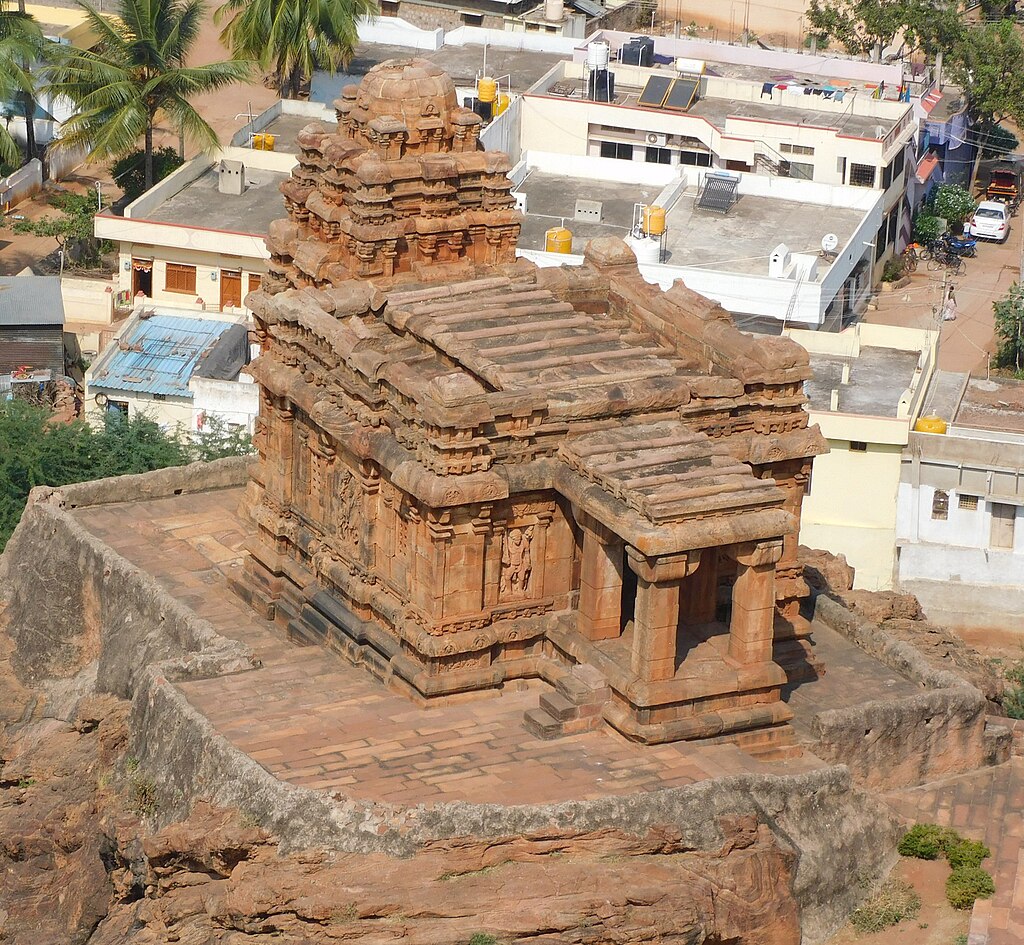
829	243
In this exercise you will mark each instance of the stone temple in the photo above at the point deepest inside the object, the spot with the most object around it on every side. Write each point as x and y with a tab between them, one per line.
474	471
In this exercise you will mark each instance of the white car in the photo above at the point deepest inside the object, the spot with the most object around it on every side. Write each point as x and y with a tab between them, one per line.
991	221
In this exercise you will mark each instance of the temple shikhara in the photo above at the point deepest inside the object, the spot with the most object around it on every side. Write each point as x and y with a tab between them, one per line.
475	472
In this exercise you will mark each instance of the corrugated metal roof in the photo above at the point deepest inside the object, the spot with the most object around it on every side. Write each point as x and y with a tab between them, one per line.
31	300
157	355
588	7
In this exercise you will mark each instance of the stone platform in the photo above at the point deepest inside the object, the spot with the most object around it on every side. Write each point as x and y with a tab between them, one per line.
315	721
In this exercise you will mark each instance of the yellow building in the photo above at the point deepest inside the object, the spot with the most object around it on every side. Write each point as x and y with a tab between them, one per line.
866	393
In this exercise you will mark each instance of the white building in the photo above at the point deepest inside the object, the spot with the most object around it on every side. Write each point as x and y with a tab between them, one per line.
960	524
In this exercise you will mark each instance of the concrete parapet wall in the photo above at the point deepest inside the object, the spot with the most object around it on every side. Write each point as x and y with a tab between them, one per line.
72	602
908	741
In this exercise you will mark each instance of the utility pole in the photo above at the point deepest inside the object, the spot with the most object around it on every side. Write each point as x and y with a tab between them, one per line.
99	196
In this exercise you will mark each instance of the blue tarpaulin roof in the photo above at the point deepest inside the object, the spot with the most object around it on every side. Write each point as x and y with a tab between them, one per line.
157	355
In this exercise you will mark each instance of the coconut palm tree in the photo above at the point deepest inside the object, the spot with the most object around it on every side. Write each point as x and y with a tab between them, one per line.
20	42
294	37
136	75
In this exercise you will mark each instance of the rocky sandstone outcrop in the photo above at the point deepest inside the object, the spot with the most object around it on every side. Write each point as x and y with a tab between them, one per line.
77	865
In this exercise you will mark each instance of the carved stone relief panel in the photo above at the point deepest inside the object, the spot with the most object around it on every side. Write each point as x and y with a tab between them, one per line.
516	563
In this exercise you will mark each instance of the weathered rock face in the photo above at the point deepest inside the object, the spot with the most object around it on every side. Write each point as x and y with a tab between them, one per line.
77	866
901	616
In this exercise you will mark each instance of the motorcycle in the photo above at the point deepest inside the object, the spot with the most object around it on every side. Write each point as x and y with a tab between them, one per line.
962	245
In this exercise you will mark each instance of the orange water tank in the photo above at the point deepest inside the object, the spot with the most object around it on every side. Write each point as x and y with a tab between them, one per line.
558	240
654	220
930	424
486	89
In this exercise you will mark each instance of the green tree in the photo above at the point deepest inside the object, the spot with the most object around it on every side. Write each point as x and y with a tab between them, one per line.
35	451
862	26
953	203
21	41
988	64
129	172
136	75
294	39
73	229
1009	325
217	439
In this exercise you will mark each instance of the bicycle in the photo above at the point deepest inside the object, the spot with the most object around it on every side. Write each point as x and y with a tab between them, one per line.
943	258
910	258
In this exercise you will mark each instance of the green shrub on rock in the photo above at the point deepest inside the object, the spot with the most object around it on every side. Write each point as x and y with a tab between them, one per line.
966	884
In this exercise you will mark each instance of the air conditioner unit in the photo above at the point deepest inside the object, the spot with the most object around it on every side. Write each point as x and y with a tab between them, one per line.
657	140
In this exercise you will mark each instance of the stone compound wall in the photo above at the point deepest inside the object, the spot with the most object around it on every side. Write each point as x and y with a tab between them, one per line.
73	606
906	741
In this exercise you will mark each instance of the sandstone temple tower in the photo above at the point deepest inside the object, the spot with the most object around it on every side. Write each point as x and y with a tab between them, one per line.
473	471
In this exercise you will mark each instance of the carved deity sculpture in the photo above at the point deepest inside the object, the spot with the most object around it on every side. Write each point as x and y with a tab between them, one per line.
516	563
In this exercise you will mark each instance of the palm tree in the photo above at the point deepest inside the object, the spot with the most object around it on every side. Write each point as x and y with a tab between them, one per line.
20	42
136	75
295	37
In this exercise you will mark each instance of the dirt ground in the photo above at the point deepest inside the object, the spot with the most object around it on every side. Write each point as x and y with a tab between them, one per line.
967	343
938	923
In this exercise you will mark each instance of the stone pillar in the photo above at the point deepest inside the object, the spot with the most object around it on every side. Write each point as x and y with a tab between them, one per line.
753	602
599	616
700	590
656	621
655	628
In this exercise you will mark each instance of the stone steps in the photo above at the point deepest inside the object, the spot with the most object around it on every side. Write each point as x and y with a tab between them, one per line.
572	707
764	744
798	660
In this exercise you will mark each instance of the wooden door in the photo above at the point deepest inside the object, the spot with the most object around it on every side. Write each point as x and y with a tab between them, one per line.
230	288
1002	525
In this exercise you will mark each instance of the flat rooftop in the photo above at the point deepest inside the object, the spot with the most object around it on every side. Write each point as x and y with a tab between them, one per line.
286	128
785	106
462	63
739	241
201	204
993	404
878	378
552	197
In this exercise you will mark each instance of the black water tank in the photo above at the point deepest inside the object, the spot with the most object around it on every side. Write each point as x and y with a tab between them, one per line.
601	86
646	47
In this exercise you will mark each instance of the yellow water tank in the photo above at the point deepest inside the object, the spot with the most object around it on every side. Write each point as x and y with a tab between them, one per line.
654	220
259	141
502	104
486	89
930	424
268	141
558	240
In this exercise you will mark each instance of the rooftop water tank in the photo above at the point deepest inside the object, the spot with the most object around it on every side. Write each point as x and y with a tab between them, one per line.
654	220
558	240
486	89
930	424
597	55
647	249
554	11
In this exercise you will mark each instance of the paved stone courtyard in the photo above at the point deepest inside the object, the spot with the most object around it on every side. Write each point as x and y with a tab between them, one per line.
312	719
985	805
